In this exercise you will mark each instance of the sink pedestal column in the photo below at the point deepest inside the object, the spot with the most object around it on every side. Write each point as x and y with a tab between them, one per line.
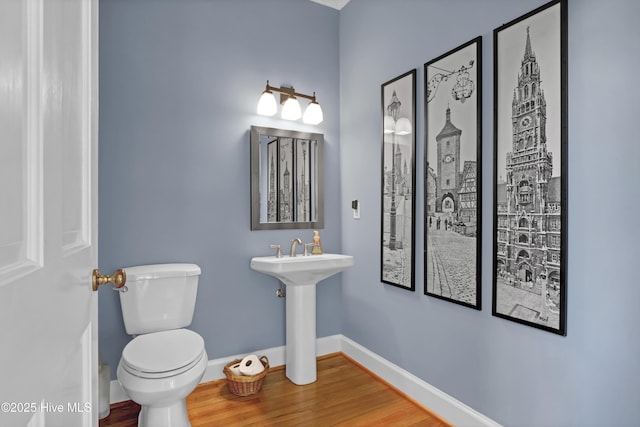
300	276
300	350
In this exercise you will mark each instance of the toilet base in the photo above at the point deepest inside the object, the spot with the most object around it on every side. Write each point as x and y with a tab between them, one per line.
163	400
168	416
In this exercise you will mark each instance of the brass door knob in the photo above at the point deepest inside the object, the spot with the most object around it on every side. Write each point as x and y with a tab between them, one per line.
119	278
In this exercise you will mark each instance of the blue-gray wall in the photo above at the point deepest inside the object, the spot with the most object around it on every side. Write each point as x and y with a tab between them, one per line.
179	82
179	86
517	375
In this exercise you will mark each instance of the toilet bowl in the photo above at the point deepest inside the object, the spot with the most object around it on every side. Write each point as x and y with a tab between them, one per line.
159	370
164	362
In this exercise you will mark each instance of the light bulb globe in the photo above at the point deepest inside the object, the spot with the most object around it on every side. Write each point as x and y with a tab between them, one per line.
313	114
291	109
267	105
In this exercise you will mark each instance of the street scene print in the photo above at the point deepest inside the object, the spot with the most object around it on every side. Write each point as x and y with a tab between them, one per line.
398	181
530	156
453	175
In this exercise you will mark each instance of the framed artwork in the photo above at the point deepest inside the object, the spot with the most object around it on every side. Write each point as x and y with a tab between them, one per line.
398	181
453	175
530	169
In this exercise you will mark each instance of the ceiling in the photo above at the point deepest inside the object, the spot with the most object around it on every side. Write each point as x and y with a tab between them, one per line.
336	4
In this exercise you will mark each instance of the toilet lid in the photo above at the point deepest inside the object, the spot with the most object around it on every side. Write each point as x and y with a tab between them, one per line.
163	353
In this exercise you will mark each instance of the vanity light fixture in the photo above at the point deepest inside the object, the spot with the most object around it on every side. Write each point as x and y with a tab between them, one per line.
267	106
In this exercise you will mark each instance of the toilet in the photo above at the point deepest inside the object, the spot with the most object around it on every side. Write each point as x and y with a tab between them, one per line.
164	362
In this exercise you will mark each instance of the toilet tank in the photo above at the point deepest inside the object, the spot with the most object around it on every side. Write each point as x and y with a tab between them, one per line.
159	297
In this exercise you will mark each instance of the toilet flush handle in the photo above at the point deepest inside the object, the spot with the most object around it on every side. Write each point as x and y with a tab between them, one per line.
119	278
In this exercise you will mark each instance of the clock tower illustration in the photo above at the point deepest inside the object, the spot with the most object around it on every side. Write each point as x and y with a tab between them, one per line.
448	173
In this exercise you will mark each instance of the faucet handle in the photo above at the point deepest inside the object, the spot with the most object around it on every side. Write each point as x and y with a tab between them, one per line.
306	248
279	253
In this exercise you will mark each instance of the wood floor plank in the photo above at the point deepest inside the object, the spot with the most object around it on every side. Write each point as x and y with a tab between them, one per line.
345	394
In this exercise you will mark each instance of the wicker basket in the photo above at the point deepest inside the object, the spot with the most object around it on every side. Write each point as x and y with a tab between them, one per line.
245	385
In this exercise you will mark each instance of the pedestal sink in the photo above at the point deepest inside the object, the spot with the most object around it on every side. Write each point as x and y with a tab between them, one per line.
301	274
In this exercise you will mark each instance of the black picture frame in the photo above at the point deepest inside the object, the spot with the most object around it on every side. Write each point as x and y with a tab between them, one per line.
453	175
530	169
397	246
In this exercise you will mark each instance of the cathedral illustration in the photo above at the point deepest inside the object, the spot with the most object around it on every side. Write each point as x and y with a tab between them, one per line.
528	200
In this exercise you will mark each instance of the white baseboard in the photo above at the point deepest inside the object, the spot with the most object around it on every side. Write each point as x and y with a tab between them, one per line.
447	407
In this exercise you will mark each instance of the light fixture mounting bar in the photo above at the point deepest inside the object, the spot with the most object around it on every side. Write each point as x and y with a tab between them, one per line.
288	92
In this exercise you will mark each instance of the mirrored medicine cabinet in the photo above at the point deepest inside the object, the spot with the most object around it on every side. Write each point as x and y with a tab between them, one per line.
287	180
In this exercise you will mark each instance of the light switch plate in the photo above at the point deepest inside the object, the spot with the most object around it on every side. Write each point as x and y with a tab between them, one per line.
355	206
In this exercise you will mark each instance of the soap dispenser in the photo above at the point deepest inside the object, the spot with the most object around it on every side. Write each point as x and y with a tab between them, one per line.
317	245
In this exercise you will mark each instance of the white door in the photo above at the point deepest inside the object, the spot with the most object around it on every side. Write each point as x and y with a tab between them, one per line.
48	212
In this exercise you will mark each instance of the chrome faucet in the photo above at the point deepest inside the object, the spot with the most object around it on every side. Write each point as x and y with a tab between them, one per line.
294	242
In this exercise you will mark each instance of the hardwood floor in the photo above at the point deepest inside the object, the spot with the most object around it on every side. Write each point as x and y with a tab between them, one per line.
345	394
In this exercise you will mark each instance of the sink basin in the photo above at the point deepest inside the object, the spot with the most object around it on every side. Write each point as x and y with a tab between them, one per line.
302	270
301	274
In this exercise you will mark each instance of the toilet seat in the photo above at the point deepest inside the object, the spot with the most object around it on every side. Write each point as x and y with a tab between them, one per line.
163	354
